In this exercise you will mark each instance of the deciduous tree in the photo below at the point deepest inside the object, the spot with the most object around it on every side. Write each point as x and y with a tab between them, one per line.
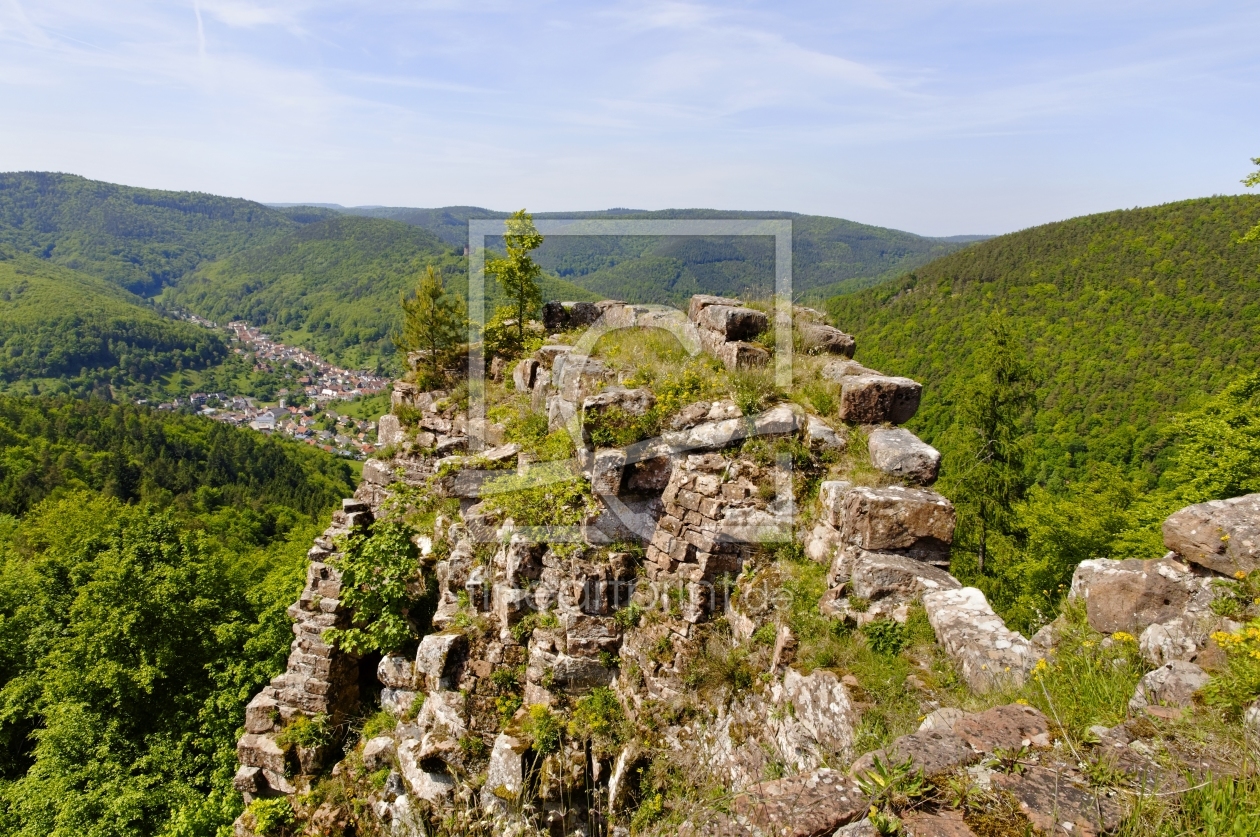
518	273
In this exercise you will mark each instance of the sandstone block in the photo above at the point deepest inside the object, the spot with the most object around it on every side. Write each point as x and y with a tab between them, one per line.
396	671
932	751
897	518
1172	684
389	430
428	785
1129	595
823	435
988	653
1222	535
817	338
822	542
1007	728
636	402
376	472
733	322
878	575
740	355
435	658
261	713
261	751
1058	804
900	453
831	495
606	471
505	775
701	301
875	399
378	752
805	805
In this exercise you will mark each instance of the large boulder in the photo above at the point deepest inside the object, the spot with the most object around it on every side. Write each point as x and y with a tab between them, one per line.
738	354
819	338
894	518
1222	535
989	655
899	453
699	302
1172	684
932	751
733	323
875	399
1129	595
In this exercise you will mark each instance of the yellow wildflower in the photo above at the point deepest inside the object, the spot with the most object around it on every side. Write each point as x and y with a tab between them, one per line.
1123	636
1240	575
1021	701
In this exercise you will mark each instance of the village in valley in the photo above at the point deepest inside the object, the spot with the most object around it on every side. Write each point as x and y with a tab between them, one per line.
307	410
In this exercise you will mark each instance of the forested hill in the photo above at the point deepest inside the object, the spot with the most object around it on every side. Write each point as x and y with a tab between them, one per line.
70	331
829	255
1128	316
138	239
333	286
146	561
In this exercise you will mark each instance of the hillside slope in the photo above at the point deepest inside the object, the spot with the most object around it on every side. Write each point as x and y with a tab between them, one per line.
57	323
830	255
332	286
1129	316
139	239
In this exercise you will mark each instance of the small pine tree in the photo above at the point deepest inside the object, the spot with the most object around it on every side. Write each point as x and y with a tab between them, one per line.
518	274
434	326
986	471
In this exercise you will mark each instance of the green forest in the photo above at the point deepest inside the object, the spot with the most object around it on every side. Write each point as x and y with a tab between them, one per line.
146	561
138	239
1134	333
81	333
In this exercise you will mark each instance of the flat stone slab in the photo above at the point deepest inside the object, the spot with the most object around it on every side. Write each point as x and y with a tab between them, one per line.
899	453
897	518
1222	535
1007	728
933	751
811	804
989	655
1057	804
938	824
820	338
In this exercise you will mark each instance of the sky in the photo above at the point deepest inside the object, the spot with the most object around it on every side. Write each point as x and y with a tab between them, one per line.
941	118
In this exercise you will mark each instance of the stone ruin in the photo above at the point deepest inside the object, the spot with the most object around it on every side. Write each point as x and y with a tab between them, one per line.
675	521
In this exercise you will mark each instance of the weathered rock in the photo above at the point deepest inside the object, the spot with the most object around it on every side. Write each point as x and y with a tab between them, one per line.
261	751
580	673
649	475
1056	803
505	776
822	543
942	719
811	804
262	713
934	824
823	718
579	376
1005	728
389	430
606	470
1172	684
838	370
738	354
989	655
723	410
1131	594
831	495
523	375
435	656
877	575
701	301
897	518
778	421
861	828
932	751
398	701
819	338
376	472
1164	642
902	454
733	322
823	435
547	356
875	399
378	752
396	671
636	402
428	785
1222	535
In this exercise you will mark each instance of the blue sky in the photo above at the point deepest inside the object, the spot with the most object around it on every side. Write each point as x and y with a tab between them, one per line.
939	118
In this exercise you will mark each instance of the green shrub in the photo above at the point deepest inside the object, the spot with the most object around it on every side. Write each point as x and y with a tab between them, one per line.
377	570
544	729
546	495
272	817
378	723
1239	685
886	636
618	428
598	716
305	731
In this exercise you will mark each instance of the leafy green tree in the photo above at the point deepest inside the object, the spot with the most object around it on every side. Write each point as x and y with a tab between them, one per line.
377	574
1250	180
518	273
987	473
1218	446
434	325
